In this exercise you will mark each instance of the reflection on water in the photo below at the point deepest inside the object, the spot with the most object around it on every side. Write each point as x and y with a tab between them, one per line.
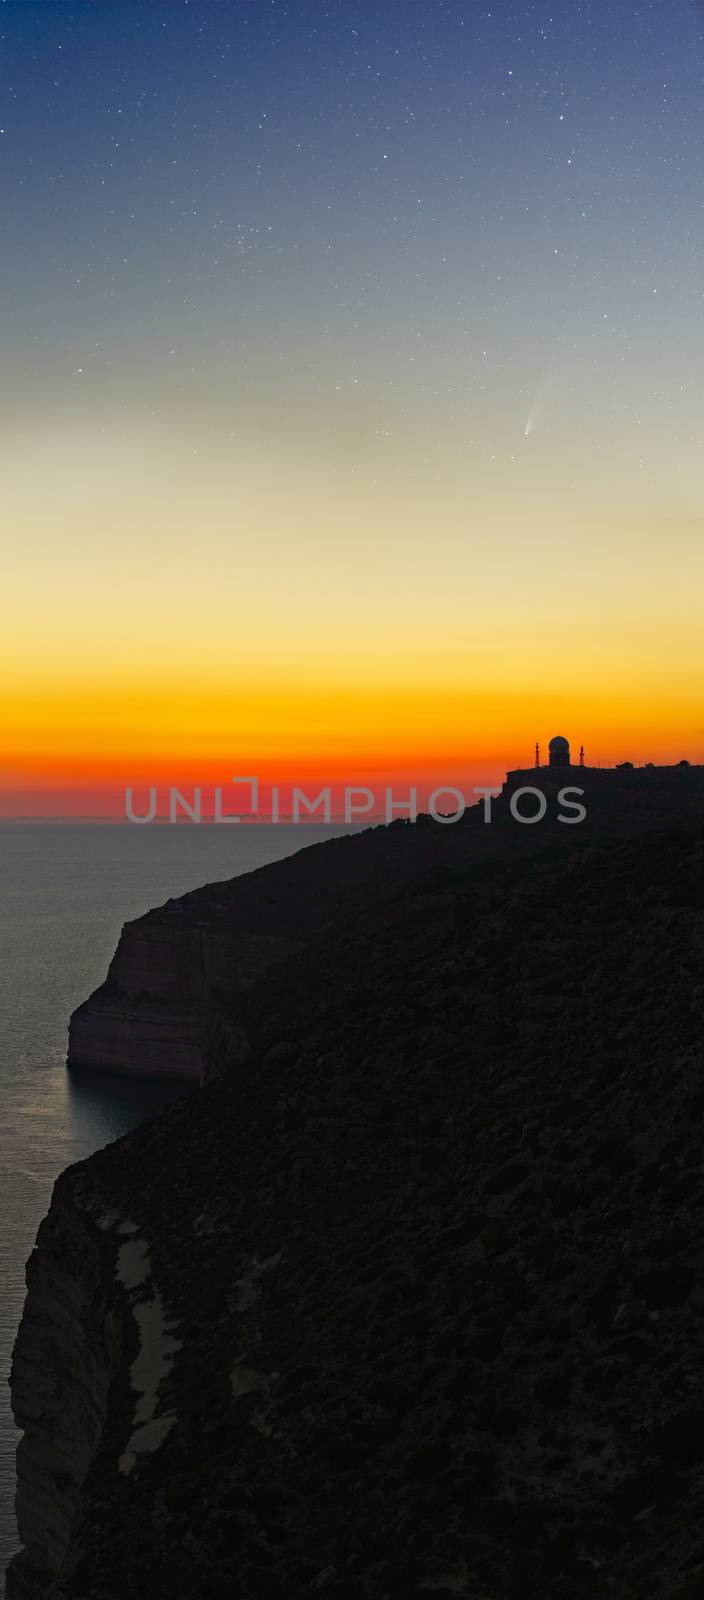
109	1102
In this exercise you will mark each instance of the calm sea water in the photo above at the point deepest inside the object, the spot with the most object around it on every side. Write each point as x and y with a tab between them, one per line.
65	891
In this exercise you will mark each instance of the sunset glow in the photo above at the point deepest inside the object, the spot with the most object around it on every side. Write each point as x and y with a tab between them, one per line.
368	444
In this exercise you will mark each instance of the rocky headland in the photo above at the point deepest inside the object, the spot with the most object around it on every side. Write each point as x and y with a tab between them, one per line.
406	1296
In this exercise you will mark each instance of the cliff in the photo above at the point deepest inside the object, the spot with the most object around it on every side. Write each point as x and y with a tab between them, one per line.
182	974
170	982
66	1356
178	984
408	1297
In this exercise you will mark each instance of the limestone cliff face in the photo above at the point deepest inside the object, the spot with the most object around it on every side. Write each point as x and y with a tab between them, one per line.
172	981
67	1354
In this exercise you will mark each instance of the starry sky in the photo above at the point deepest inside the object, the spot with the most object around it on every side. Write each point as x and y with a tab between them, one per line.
352	388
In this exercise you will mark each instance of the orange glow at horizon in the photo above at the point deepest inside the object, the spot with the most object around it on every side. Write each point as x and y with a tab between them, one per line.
321	627
77	753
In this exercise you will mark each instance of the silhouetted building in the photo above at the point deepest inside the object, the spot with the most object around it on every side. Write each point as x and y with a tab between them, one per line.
559	751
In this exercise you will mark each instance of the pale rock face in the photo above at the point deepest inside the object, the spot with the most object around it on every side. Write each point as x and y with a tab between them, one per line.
90	1290
62	1405
155	1354
169	986
144	1039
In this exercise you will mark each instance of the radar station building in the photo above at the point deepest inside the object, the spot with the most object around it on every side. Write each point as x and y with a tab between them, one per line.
559	751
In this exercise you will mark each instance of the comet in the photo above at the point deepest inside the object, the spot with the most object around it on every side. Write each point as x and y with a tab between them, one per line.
541	401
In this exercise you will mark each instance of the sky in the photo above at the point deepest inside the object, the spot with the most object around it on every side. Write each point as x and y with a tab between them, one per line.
352	389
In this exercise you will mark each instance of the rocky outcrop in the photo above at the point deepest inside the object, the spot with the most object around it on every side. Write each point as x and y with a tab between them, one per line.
170	984
408	1298
66	1357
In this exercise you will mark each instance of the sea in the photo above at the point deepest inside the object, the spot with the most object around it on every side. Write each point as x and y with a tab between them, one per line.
65	891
